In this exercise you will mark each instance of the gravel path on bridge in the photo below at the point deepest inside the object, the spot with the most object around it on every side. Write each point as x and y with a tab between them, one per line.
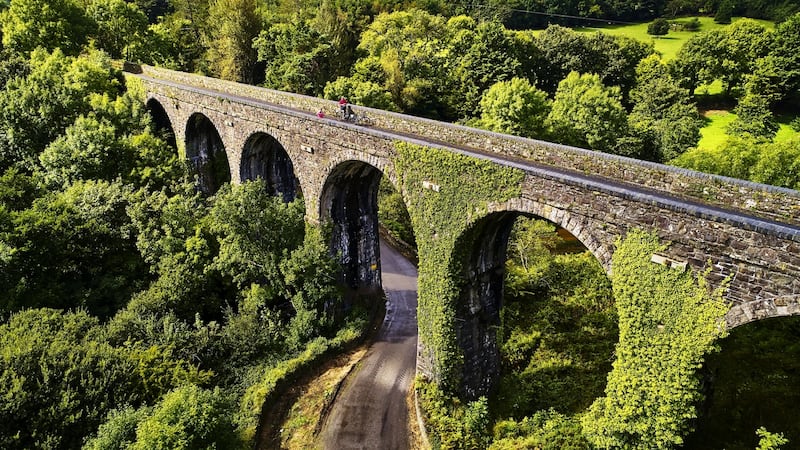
371	411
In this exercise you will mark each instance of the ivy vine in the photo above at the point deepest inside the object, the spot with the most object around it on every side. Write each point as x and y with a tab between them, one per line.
668	321
446	193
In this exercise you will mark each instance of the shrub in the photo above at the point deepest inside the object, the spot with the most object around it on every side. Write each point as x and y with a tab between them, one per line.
658	27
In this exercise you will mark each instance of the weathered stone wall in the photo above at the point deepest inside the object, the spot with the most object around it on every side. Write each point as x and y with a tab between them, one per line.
762	266
334	161
756	199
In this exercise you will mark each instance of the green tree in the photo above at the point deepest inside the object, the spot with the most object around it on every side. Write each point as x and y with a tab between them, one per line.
60	379
233	24
188	418
734	158
310	276
515	107
408	46
700	59
51	24
297	57
72	249
587	114
121	26
753	117
482	54
664	118
770	441
342	21
88	150
37	108
255	231
658	27
724	12
614	59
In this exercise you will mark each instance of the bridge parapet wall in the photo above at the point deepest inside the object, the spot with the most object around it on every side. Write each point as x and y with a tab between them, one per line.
757	199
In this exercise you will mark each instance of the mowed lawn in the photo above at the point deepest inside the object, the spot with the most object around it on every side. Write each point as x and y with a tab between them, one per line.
713	133
667	45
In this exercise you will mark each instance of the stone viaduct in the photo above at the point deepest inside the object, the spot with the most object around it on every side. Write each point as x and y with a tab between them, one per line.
747	233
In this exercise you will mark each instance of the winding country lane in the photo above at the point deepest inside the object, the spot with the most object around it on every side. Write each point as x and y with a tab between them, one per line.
371	412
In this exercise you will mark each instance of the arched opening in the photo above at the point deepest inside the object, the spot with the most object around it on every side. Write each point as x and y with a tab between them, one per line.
350	204
161	123
206	154
751	382
264	157
535	316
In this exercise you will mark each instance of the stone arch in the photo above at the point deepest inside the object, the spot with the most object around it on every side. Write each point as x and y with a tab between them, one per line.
349	203
744	313
581	227
480	254
205	154
161	121
264	157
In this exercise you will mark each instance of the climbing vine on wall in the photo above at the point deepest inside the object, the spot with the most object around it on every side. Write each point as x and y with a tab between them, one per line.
668	322
446	193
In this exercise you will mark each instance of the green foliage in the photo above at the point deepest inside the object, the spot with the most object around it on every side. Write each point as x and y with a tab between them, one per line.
753	117
88	150
453	425
119	429
38	107
724	12
668	322
392	213
310	275
188	418
515	107
545	430
50	24
664	118
18	190
658	27
749	158
269	378
612	58
121	26
297	57
481	54
60	379
770	441
408	45
466	187
255	231
233	24
557	335
751	383
72	248
587	114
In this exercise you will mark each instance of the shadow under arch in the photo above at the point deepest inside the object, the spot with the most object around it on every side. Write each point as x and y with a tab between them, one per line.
206	155
264	157
751	382
162	124
349	204
480	255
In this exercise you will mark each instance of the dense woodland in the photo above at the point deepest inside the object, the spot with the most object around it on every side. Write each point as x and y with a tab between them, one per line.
138	312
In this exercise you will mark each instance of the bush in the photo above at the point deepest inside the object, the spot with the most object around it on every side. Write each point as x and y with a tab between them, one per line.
795	124
658	27
189	417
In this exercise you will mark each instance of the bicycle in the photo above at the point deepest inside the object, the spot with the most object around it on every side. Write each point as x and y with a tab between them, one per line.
348	115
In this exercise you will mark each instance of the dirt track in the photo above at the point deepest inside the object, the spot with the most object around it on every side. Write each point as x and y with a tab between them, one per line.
371	412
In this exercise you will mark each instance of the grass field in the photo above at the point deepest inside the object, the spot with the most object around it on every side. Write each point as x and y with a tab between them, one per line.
667	45
713	133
